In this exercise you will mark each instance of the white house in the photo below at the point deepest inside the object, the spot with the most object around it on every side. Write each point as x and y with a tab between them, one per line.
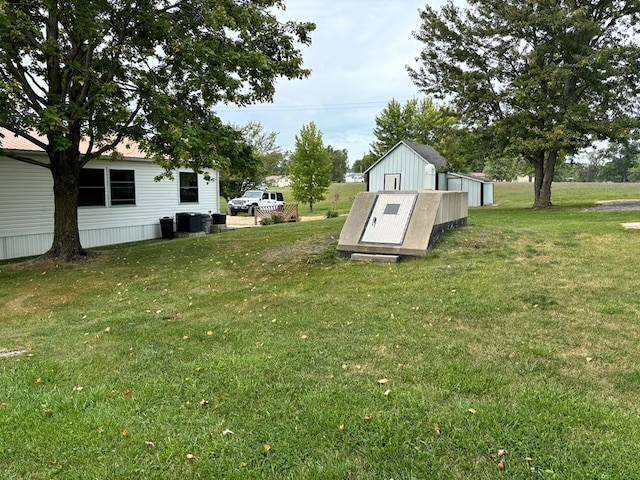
119	200
411	166
354	177
279	181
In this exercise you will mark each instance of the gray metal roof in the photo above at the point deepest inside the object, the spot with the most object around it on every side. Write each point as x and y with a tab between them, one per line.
426	152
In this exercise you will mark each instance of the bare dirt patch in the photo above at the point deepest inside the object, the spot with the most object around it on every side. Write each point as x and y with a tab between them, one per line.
304	250
615	206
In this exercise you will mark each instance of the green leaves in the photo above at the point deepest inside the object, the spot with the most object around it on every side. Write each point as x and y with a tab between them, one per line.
310	167
545	79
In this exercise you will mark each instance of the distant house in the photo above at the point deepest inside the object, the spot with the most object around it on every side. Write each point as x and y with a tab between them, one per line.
354	177
410	166
119	200
279	181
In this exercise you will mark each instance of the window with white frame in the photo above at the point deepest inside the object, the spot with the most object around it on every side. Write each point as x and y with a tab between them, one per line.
122	187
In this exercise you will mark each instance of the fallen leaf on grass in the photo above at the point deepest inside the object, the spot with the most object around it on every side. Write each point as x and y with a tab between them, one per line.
383	381
472	410
341	427
502	452
226	431
150	444
107	330
589	359
77	388
128	393
266	447
204	402
501	464
387	393
125	433
436	429
190	456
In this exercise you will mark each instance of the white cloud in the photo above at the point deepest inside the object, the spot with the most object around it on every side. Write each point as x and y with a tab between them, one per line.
358	56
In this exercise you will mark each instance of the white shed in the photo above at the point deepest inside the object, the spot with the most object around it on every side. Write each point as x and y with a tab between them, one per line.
408	166
411	166
122	201
480	189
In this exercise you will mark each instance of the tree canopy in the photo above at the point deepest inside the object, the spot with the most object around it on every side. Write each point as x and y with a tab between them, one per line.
310	166
253	161
338	163
541	79
151	71
418	120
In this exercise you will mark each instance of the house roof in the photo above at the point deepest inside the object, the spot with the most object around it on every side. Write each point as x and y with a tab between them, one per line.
426	152
10	141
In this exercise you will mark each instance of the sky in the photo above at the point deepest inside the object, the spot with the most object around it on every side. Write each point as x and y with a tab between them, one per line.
358	59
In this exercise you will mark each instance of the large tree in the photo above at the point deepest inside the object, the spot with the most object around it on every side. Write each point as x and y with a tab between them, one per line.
339	159
310	166
147	70
418	120
542	78
254	159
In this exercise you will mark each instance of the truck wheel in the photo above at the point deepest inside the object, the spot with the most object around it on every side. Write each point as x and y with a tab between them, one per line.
233	213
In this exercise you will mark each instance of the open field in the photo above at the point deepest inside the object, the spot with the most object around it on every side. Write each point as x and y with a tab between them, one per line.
511	351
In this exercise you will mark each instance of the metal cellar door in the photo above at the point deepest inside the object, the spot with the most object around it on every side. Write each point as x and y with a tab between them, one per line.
389	219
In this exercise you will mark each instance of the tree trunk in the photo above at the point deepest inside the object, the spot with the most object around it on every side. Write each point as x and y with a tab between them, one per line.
545	166
65	170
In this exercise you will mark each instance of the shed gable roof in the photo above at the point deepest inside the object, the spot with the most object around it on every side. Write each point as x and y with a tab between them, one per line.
427	153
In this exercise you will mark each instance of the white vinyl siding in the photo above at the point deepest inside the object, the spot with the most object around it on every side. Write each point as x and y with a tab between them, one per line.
27	207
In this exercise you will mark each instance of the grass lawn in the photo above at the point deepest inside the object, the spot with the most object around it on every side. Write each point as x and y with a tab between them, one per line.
511	351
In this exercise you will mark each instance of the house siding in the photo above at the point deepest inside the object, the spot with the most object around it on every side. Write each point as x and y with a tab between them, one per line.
27	207
403	161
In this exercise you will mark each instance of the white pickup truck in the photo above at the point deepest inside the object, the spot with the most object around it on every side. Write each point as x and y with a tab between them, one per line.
254	198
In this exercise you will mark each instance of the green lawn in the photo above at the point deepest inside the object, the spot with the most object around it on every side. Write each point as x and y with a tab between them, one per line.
511	351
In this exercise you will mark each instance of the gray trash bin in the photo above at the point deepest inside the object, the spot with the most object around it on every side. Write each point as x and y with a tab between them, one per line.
206	222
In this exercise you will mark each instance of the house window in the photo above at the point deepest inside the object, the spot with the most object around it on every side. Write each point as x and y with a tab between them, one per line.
122	187
188	187
91	187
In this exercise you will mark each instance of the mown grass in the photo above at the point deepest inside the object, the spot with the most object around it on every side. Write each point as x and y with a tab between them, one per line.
514	344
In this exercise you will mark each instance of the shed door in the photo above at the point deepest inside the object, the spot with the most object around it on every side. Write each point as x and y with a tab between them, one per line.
389	219
391	182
